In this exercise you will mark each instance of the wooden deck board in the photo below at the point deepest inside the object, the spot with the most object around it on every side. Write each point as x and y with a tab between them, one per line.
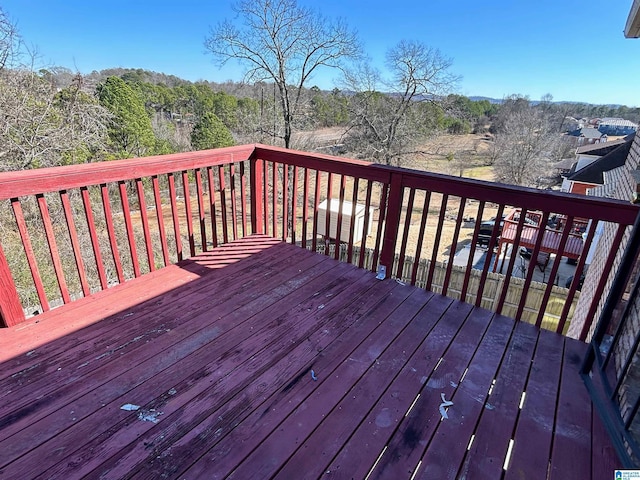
218	351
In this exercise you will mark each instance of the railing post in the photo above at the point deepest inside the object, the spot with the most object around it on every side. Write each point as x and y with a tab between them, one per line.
10	308
392	222
257	206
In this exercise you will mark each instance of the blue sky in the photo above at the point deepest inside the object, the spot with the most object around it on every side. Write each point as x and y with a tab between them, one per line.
573	49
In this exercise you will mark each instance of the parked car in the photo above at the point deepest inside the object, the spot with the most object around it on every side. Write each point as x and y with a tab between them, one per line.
486	231
570	280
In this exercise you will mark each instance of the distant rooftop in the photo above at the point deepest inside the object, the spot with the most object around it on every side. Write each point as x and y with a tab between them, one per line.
617	122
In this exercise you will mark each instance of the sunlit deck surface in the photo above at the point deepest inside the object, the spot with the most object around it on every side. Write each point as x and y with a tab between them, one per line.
260	359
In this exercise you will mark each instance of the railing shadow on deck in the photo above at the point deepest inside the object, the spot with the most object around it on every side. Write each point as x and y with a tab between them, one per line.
71	231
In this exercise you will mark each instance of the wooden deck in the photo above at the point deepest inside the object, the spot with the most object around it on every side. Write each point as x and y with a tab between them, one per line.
260	359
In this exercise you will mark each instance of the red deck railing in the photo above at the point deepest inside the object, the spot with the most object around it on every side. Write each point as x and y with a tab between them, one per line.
71	231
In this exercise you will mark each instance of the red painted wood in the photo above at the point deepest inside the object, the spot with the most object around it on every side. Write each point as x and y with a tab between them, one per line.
113	243
497	423
174	216
527	282
285	202
201	210
536	421
454	245
223	204
305	207
382	210
258	332
234	207
10	308
472	251
188	212
572	433
42	180
256	172
212	207
145	224
423	224
407	445
367	221
294	206
354	203
448	447
233	335
509	271
131	236
604	458
597	294
265	202
552	275
487	262
327	223
274	199
392	222
336	252
160	218
28	250
93	234
243	199
436	241
316	204
75	244
405	234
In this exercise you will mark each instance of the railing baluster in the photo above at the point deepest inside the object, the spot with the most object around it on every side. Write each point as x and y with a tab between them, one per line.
188	212
274	199
201	211
53	248
294	205
174	216
160	218
145	224
75	243
423	225
472	251
454	245
28	250
354	203
257	185
113	240
316	204
223	204
381	228
509	273
265	202
305	207
285	201
327	230
367	221
212	206
93	235
131	236
554	271
487	262
534	258
232	194
336	250
243	199
11	312
405	233
436	241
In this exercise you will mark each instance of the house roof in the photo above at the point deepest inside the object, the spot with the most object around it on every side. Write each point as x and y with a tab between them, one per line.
632	28
565	164
594	172
602	149
588	132
618	122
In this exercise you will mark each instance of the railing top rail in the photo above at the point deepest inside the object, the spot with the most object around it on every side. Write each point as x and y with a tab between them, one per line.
533	199
29	182
42	180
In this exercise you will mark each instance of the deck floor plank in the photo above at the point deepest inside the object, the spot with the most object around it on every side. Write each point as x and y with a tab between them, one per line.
534	432
218	351
486	456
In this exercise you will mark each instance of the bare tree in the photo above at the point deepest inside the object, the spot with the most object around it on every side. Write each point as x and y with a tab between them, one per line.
526	146
9	41
389	115
282	42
